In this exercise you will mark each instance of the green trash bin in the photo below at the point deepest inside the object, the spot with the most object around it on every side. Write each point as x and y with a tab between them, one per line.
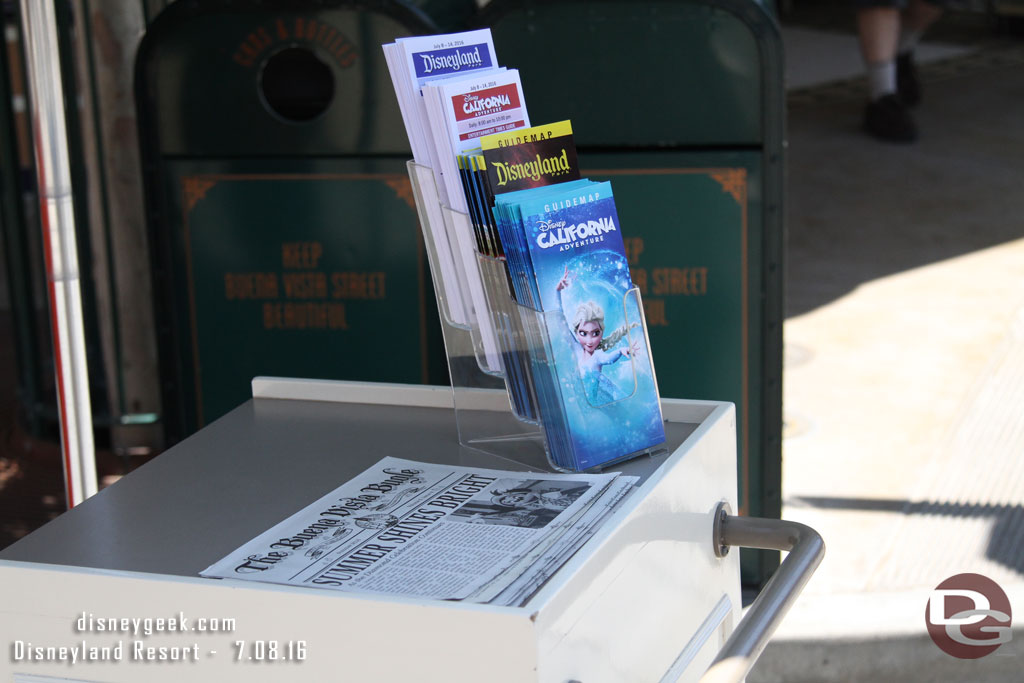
680	104
285	238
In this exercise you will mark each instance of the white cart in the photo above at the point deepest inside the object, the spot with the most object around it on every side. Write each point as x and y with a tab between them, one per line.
654	596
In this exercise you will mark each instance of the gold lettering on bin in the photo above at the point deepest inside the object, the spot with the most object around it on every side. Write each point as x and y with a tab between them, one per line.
301	297
252	46
344	53
679	281
305	315
358	285
634	247
639	279
311	29
654	312
304	285
261	41
250	286
301	255
282	30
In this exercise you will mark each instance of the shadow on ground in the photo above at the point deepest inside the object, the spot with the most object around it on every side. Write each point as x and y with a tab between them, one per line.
1005	543
859	210
31	468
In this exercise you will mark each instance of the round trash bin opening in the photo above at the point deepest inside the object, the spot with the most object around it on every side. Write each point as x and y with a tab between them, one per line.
296	85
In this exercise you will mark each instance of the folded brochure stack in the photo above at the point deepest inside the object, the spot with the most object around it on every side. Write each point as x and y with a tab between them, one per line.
577	360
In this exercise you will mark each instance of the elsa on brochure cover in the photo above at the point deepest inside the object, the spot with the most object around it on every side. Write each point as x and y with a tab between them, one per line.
594	350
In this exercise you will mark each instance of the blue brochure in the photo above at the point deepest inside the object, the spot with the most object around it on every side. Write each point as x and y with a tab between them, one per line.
592	368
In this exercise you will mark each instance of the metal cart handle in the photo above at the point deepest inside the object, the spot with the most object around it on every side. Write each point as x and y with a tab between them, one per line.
805	548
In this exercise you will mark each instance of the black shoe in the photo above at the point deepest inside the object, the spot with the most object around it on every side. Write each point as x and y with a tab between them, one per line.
887	118
908	86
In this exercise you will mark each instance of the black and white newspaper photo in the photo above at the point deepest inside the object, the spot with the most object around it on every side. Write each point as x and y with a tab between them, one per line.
433	531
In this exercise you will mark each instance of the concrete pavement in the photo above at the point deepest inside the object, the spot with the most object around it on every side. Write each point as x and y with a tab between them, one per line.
904	370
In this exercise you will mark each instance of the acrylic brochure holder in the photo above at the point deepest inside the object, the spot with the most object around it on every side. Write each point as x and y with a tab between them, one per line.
492	342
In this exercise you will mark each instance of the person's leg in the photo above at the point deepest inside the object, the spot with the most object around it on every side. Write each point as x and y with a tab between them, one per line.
915	20
878	32
878	29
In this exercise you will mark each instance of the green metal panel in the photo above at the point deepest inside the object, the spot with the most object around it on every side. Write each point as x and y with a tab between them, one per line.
680	104
202	70
308	274
449	15
690	223
635	74
285	236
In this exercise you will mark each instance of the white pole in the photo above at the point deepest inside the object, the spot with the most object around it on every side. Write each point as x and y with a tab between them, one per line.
46	95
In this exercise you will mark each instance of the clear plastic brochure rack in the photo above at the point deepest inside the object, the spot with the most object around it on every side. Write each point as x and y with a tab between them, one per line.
494	342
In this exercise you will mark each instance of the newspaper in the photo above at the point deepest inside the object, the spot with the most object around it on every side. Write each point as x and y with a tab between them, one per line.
433	531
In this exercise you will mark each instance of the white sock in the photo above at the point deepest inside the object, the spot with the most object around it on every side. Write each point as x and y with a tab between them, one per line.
881	79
